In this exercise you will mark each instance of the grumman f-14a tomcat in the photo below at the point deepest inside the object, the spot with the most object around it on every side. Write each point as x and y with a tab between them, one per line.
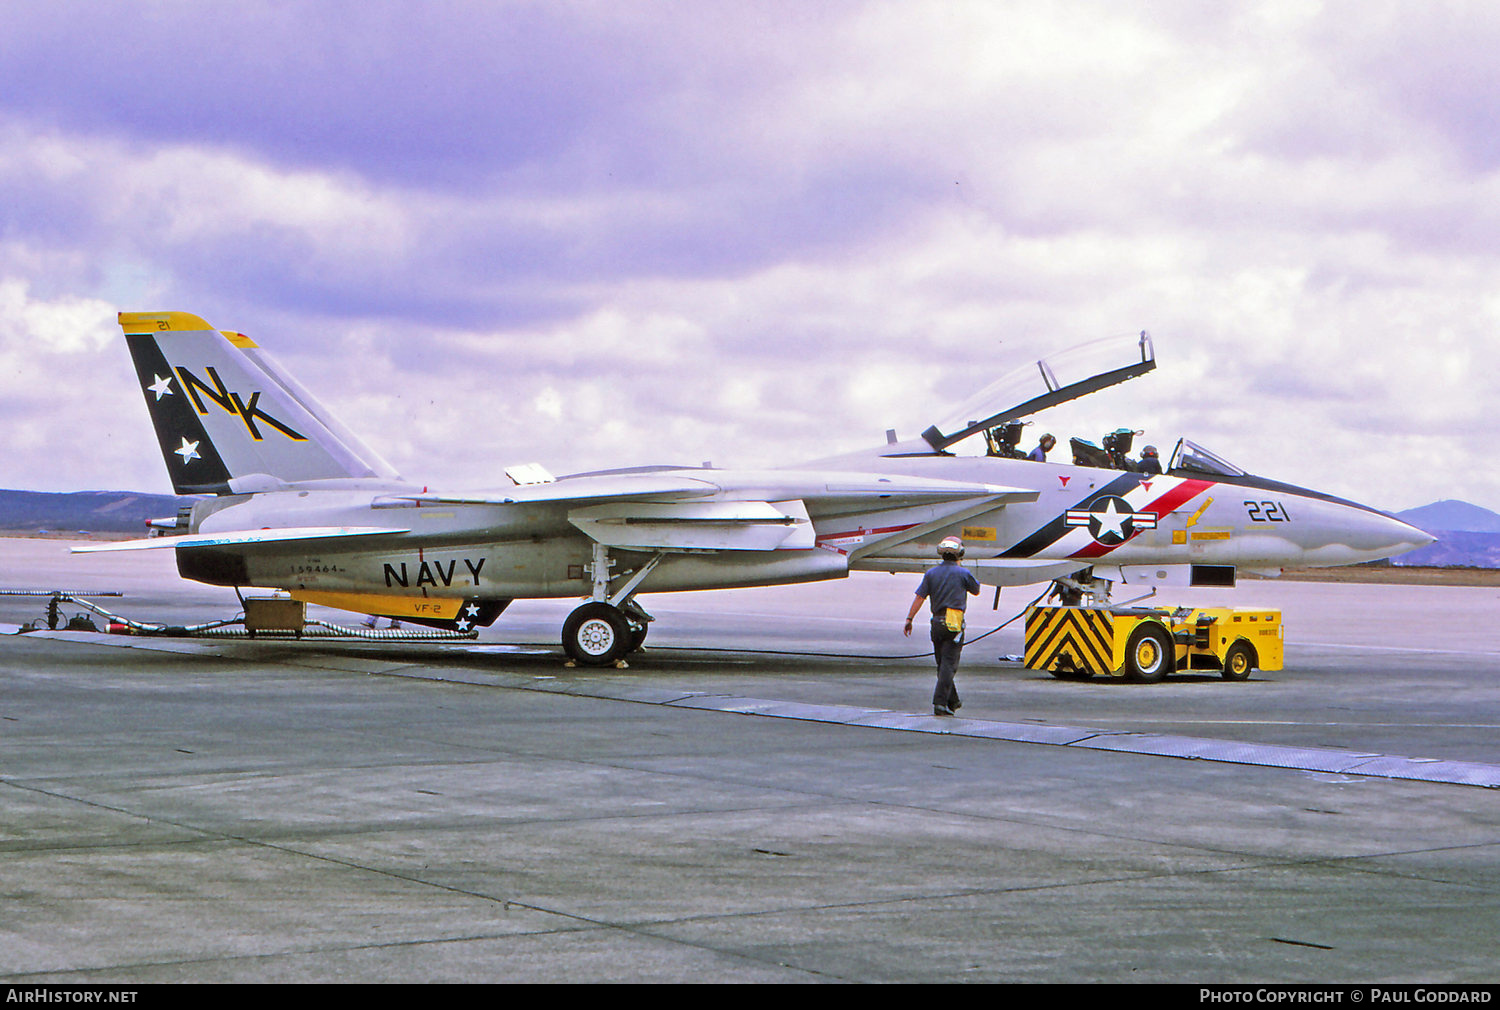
294	501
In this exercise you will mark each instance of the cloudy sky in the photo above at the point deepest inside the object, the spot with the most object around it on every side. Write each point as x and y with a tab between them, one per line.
602	234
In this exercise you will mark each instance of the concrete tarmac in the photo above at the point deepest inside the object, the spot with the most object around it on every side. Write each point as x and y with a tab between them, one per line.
211	810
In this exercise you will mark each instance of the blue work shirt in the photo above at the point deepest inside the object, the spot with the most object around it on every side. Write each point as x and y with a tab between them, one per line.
948	586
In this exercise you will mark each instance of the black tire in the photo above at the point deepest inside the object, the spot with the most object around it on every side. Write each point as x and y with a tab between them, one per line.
1149	656
1239	661
638	636
596	634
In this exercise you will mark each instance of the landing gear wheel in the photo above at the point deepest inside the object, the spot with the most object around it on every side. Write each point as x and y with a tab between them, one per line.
1148	657
1238	661
596	634
638	637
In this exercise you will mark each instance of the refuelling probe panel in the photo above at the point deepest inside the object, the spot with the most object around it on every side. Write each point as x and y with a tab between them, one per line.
1146	644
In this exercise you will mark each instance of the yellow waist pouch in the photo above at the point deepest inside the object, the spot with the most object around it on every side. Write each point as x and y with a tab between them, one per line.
954	620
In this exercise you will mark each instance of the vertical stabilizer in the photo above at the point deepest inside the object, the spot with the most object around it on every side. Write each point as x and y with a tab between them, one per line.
222	411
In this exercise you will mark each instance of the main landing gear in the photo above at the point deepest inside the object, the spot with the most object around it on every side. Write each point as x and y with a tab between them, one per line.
610	626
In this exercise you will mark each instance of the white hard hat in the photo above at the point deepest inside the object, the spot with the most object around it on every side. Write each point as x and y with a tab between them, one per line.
951	545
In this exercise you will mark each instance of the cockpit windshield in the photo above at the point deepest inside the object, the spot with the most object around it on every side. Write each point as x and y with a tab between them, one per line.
1056	379
1191	456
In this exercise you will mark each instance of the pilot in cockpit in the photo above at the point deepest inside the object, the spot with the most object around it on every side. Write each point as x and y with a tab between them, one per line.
1150	461
1043	446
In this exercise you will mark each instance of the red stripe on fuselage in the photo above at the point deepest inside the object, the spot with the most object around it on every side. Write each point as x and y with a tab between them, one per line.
1183	492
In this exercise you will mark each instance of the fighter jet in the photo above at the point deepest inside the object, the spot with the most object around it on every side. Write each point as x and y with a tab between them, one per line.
289	499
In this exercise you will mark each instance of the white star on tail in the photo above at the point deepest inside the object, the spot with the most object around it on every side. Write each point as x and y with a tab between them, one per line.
189	451
161	387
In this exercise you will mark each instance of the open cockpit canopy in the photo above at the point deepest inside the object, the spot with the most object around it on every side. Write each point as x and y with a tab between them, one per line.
1045	383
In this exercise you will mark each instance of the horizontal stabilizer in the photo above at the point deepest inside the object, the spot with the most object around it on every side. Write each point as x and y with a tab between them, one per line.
244	538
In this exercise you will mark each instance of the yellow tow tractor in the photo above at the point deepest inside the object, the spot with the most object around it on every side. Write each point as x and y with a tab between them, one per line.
1147	643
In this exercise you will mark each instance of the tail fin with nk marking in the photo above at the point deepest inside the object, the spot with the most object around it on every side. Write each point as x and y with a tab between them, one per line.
228	419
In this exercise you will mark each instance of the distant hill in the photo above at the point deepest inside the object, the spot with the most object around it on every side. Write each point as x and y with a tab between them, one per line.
1452	515
1468	535
1456	549
94	511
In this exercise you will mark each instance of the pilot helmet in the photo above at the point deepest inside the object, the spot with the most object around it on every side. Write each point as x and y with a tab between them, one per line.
1150	450
951	546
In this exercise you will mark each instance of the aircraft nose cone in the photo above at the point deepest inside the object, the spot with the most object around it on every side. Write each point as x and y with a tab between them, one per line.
1356	533
1404	536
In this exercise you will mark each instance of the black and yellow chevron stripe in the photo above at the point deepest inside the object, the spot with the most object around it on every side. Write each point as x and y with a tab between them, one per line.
1070	638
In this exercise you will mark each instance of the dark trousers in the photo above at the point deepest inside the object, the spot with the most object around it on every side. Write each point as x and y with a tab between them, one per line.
946	647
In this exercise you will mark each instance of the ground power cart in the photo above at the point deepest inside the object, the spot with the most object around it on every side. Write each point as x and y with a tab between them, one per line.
1147	643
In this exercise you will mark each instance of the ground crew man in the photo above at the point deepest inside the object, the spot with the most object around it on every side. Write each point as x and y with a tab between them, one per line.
948	587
